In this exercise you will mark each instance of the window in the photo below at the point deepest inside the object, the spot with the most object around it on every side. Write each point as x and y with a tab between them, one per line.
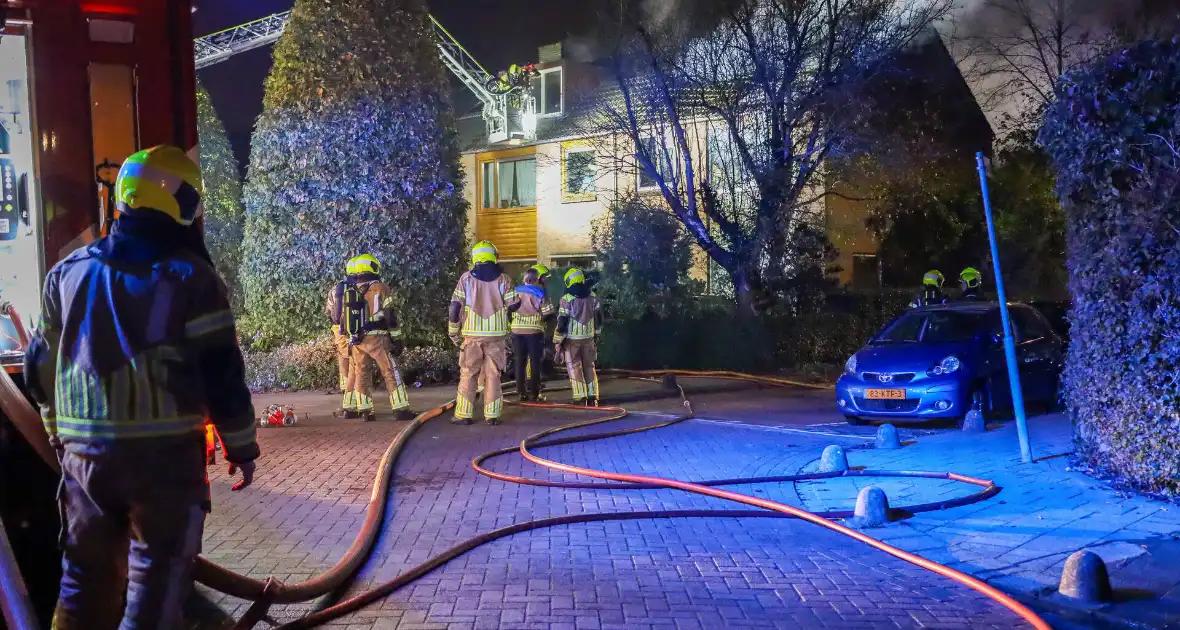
1029	325
578	174
865	272
489	184
934	327
508	184
656	151
518	183
547	90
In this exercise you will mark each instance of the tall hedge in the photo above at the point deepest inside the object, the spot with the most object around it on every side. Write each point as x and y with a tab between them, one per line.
224	213
354	152
1113	137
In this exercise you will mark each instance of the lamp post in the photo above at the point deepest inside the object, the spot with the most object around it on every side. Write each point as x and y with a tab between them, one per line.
1009	342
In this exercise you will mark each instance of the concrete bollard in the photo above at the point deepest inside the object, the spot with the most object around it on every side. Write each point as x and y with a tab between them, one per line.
872	507
833	460
887	437
1084	578
670	382
974	422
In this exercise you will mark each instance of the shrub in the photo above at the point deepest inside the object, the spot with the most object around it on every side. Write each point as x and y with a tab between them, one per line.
644	254
312	365
1112	138
224	214
712	338
354	152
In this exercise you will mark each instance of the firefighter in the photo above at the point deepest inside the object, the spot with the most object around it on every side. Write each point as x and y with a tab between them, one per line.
477	321
332	308
543	276
971	284
932	293
368	320
136	346
579	322
528	335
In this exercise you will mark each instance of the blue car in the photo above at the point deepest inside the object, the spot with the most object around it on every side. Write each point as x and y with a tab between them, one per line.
935	363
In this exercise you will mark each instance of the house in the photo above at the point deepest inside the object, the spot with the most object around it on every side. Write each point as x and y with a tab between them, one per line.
537	199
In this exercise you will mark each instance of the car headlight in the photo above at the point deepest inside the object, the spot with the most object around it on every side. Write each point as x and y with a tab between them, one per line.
946	366
850	366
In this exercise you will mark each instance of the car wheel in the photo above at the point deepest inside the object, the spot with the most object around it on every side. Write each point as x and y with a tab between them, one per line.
854	420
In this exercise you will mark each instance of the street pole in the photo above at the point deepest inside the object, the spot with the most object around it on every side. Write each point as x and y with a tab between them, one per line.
1009	342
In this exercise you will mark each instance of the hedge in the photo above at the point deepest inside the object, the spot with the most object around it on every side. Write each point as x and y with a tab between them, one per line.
771	342
312	365
1113	137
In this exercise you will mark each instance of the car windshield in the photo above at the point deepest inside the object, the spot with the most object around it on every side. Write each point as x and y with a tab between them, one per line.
931	327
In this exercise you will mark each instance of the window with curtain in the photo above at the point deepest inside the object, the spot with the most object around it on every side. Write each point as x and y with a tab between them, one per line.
489	185
517	183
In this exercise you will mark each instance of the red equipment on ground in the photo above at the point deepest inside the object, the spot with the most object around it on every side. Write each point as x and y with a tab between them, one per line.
278	416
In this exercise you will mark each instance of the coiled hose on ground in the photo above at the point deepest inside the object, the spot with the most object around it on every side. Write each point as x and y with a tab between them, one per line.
265	593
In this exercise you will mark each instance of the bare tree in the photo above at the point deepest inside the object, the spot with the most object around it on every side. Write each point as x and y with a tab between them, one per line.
1013	51
731	124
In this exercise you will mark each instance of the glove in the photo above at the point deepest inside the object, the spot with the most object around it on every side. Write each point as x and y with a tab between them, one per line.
397	345
247	474
457	340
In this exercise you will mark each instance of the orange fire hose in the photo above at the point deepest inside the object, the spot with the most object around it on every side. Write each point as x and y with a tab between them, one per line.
769	508
271	591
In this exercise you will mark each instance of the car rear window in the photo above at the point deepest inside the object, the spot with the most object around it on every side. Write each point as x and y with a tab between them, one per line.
931	327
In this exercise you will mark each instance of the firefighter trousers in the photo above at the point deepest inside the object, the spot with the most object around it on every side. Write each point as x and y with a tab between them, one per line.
343	351
481	360
132	517
580	355
528	349
358	389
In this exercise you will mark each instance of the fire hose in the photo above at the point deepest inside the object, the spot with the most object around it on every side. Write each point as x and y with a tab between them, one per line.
271	591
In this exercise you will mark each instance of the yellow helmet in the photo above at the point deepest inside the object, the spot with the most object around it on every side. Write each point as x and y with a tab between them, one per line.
933	278
163	179
483	252
365	263
971	277
574	276
541	270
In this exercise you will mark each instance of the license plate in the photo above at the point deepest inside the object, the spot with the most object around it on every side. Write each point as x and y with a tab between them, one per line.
885	394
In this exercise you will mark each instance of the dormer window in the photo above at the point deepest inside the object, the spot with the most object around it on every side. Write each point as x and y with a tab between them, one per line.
548	89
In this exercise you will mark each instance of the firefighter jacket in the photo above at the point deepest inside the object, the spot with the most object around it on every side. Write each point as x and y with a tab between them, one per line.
534	310
928	297
137	342
380	316
579	315
482	302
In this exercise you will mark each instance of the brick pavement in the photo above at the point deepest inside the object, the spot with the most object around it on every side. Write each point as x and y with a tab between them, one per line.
1019	540
687	573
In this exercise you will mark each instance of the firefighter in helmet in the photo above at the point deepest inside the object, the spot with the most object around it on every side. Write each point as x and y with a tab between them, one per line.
333	308
971	284
136	347
477	321
579	322
932	282
368	320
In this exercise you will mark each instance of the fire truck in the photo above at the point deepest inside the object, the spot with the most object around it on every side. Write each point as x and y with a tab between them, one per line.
82	86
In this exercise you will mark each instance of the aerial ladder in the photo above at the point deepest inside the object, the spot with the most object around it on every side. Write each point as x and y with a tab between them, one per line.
509	107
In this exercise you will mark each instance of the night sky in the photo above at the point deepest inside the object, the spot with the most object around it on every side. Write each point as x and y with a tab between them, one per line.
496	32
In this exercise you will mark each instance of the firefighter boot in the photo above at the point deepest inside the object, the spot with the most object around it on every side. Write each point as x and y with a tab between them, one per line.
404	415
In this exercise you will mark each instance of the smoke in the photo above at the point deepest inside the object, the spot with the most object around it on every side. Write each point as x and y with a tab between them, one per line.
658	13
